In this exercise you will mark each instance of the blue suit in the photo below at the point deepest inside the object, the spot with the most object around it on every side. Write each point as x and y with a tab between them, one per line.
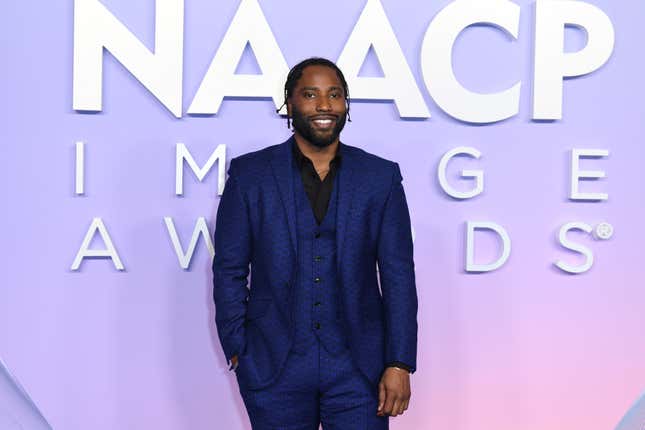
261	222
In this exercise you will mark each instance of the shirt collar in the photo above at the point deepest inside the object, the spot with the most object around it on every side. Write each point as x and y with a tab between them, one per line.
301	158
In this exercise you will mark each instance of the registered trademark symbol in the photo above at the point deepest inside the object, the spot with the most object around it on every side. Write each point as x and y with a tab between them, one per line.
603	231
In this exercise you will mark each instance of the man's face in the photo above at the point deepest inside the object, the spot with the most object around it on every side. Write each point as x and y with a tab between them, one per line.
317	106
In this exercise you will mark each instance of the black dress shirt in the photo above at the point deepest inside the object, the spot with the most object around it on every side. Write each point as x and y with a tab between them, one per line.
319	192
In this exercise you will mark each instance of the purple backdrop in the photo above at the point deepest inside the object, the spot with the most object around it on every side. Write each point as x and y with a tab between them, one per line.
525	347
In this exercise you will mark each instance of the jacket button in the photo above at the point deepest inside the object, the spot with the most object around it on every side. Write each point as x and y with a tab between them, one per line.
317	304
316	280
317	325
317	258
317	234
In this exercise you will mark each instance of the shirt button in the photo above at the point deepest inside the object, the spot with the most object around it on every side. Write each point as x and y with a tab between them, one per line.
316	280
317	258
317	325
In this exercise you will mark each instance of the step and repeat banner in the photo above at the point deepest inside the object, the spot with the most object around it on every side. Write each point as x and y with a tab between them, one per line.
518	127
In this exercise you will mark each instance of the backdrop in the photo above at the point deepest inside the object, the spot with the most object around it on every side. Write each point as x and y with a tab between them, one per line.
527	345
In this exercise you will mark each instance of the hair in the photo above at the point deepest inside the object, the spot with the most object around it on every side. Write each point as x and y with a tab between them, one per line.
296	73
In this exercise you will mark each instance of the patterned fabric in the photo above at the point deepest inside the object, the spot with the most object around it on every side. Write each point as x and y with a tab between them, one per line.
313	388
317	311
319	193
256	228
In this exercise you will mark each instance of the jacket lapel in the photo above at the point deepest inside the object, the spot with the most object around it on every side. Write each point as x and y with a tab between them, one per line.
281	163
345	193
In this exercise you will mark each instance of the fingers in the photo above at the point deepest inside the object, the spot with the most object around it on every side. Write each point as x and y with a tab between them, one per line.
405	406
400	405
406	397
393	406
396	407
394	393
394	396
381	398
389	402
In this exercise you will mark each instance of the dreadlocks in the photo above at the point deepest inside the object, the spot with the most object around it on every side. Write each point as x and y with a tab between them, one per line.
296	73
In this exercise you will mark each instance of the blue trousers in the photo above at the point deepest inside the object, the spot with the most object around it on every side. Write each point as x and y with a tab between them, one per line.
313	388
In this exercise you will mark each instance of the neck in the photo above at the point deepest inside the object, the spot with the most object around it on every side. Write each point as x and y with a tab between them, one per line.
315	153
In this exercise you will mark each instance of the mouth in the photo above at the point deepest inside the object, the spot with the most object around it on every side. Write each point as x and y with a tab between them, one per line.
323	121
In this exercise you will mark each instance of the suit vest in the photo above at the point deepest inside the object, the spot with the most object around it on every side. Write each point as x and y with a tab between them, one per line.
317	311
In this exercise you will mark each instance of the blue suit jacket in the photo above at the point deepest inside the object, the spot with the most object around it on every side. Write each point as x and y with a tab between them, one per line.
256	226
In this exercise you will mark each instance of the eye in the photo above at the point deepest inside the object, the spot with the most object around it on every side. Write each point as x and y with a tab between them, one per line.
309	95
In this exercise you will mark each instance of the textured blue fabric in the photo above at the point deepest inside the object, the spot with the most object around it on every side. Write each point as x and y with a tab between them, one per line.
314	388
317	311
256	226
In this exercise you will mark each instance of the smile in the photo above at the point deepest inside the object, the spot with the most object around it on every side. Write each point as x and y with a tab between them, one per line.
323	122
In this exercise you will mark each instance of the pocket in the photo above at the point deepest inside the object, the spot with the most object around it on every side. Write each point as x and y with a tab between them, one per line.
257	308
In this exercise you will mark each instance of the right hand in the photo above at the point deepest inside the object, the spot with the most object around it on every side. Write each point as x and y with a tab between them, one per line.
234	360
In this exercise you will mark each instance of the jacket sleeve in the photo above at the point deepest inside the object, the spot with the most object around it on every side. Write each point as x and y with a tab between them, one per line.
396	274
232	241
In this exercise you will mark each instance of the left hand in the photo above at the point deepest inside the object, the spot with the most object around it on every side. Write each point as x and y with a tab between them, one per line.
393	392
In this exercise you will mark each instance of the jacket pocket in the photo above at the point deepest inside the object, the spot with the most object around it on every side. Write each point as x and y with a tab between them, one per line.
257	307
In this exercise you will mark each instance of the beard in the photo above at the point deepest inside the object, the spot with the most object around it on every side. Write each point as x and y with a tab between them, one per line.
306	129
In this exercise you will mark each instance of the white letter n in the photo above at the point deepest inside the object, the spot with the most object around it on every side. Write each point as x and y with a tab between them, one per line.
96	28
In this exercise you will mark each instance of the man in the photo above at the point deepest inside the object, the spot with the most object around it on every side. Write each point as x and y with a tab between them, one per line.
313	339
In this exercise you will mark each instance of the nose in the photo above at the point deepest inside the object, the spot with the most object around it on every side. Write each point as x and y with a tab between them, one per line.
323	105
